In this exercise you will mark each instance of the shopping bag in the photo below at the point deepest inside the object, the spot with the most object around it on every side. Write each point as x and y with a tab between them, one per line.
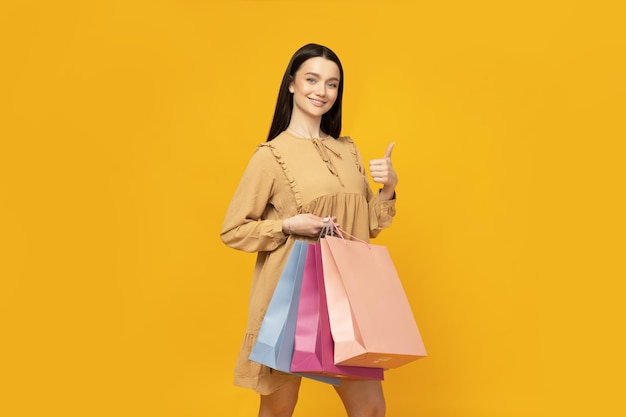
275	342
370	317
314	350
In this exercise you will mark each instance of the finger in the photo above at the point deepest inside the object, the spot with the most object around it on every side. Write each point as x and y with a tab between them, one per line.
379	168
378	162
389	149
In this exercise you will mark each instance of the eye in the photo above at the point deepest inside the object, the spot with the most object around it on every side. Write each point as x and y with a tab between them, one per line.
310	80
332	85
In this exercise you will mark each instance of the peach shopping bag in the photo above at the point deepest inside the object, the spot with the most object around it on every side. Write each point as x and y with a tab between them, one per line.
371	321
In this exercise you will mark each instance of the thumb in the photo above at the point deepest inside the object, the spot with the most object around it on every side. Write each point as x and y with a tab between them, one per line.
389	149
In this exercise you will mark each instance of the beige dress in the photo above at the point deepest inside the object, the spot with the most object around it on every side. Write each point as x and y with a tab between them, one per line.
285	177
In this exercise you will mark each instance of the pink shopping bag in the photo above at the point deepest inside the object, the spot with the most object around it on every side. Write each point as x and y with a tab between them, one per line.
371	321
314	347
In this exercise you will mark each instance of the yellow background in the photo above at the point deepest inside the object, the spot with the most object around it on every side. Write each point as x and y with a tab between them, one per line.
126	124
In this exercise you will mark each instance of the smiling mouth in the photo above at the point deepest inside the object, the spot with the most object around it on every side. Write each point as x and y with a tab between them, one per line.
317	102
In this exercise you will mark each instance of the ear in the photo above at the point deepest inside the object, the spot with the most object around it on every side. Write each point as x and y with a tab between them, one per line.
291	88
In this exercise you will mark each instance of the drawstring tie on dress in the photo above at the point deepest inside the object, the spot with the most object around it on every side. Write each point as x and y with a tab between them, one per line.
322	148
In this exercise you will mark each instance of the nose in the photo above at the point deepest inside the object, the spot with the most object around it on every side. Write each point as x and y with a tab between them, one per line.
321	89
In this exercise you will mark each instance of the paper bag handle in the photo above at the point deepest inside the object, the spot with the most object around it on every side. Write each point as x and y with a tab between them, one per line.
331	228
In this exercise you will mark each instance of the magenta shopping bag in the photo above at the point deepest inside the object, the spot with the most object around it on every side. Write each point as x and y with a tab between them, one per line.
274	345
314	347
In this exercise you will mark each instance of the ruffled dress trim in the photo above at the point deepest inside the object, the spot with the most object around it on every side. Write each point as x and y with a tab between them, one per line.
355	156
322	147
290	178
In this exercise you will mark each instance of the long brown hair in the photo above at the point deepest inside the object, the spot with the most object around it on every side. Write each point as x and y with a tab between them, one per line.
331	120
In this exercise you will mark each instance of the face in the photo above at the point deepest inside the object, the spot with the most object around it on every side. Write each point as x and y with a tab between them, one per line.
315	87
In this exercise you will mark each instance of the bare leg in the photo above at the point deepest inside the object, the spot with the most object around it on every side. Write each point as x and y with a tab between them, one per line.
281	402
362	398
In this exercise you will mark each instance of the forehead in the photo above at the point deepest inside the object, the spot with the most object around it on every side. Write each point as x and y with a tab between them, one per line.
323	67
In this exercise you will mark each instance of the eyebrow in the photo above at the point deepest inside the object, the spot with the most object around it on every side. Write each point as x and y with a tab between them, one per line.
318	76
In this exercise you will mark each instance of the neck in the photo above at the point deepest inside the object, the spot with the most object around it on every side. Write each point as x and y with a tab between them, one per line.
305	125
306	130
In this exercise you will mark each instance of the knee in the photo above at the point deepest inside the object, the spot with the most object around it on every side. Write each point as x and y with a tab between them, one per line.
370	407
278	405
362	398
375	408
283	409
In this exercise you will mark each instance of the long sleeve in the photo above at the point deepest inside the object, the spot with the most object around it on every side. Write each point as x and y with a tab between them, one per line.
250	224
381	213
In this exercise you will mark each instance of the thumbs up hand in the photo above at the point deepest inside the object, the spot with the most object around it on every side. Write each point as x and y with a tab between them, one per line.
382	172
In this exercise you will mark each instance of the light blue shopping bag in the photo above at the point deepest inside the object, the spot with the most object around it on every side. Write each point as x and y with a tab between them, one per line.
274	345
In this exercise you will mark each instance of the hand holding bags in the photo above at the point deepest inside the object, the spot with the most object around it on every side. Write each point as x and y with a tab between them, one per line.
370	317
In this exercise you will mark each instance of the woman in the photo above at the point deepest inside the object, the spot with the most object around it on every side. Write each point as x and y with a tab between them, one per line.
304	172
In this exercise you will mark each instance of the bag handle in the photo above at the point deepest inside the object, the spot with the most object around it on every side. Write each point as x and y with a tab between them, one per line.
331	228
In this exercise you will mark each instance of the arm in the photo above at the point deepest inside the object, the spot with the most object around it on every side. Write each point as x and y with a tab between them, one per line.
382	206
244	227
